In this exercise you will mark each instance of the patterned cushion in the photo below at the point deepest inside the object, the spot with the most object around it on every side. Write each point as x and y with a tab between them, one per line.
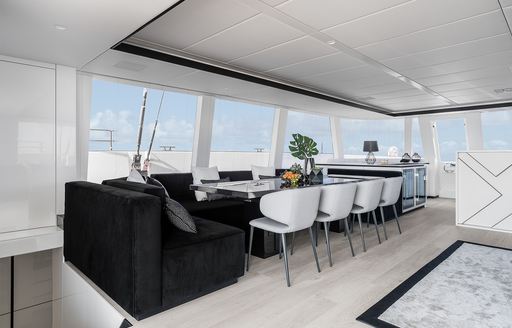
175	212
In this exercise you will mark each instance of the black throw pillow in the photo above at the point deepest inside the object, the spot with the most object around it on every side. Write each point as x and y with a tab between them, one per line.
210	196
175	212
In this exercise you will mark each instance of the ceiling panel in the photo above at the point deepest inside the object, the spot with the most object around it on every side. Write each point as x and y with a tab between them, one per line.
494	82
411	17
327	13
480	47
194	20
466	76
285	54
443	36
257	33
274	2
317	66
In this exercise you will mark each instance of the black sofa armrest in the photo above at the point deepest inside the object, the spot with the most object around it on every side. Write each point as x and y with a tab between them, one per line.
114	237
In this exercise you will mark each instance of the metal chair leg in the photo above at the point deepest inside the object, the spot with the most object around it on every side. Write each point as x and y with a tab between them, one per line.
362	234
396	218
316	233
345	227
349	238
250	247
314	248
280	248
376	225
326	228
353	219
293	243
368	219
287	272
383	222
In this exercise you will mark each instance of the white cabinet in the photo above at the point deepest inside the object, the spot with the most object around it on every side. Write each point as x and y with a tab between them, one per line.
39	316
414	188
5	286
27	141
32	279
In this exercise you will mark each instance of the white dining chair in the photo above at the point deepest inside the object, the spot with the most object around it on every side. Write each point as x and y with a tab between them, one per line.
286	212
367	200
336	202
389	197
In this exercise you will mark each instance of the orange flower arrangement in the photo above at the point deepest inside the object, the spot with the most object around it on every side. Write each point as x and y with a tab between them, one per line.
292	177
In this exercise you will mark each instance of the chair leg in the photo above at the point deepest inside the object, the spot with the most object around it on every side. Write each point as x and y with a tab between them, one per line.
362	234
293	243
250	247
396	218
316	233
368	219
314	248
353	219
376	225
326	228
345	228
383	222
348	235
286	271
280	248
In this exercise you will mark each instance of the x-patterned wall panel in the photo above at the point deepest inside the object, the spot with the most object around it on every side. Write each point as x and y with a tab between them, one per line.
484	190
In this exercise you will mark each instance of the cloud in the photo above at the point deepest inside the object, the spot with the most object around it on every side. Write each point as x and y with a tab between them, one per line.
122	122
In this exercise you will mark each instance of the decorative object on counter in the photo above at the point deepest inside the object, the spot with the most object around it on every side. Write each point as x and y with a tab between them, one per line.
406	158
291	179
416	157
316	175
370	147
393	151
303	148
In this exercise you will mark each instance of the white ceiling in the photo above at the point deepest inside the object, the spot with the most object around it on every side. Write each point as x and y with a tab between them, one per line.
27	27
400	55
141	70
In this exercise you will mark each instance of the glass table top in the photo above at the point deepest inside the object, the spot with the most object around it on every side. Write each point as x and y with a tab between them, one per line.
251	189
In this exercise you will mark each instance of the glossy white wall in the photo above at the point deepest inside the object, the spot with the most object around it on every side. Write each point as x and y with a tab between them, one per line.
27	141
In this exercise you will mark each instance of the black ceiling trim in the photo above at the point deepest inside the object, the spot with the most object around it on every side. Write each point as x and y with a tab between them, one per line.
150	21
140	51
453	109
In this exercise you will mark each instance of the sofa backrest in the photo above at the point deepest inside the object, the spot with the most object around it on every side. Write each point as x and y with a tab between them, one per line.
178	184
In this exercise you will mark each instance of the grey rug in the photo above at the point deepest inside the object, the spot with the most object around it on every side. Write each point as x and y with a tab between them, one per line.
468	285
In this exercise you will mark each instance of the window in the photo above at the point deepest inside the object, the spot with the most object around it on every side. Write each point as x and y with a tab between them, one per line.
314	126
388	133
239	126
417	145
451	137
116	106
497	130
241	136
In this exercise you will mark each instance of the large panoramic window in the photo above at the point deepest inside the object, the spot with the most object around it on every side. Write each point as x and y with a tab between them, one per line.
451	137
314	126
241	136
388	133
417	145
114	123
497	130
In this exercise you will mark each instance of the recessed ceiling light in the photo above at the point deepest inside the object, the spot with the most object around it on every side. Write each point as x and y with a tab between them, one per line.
331	42
60	27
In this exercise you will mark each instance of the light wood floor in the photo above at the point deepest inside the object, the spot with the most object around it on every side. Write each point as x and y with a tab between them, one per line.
337	295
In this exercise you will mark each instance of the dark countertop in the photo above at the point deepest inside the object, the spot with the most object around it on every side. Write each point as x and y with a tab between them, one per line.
377	164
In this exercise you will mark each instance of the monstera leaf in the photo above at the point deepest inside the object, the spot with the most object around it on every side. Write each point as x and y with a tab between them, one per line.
302	147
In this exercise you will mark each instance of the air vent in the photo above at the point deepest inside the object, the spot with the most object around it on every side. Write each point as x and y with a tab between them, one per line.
129	66
504	90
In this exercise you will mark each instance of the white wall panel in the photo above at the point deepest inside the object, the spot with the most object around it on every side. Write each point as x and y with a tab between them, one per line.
27	140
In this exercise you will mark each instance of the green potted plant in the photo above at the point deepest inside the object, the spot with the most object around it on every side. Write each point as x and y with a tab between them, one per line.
303	148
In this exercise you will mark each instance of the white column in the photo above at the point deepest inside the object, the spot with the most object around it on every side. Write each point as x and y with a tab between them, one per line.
83	109
278	136
408	135
337	141
66	132
474	131
203	131
429	142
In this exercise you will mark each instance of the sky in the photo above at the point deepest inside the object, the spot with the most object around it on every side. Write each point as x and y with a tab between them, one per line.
240	126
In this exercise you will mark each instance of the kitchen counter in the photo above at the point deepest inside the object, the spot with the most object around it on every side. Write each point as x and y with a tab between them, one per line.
376	165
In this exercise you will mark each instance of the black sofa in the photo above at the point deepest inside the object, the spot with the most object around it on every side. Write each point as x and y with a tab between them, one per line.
116	236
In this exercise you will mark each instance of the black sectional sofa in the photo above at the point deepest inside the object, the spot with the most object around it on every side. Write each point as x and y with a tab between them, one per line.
115	234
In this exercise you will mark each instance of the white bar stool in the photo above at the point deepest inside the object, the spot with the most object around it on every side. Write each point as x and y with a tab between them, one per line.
336	202
390	195
285	212
367	200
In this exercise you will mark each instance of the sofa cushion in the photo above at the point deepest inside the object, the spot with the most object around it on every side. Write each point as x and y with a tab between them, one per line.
193	265
135	186
204	173
177	185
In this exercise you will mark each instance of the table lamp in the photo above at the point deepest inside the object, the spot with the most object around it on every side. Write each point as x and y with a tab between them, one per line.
370	147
